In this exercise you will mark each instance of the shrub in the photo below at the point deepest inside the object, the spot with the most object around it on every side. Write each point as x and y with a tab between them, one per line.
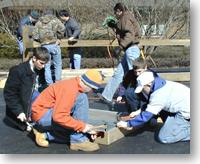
8	47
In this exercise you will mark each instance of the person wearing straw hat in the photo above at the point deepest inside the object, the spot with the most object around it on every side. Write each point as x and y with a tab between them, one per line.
171	100
62	112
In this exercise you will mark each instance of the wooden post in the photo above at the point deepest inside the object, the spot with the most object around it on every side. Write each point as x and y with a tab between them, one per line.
27	42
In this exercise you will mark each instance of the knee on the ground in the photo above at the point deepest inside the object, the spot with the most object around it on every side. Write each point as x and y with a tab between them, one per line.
162	138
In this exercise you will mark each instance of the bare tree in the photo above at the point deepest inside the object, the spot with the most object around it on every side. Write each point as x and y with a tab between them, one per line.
160	18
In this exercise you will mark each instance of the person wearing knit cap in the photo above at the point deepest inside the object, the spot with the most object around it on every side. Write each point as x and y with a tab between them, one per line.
62	108
170	100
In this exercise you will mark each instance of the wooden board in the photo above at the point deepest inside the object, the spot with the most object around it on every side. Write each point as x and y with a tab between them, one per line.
108	72
105	43
29	43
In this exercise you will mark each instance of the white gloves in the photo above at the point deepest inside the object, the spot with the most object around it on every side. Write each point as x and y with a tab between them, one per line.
71	38
119	98
124	125
88	129
22	117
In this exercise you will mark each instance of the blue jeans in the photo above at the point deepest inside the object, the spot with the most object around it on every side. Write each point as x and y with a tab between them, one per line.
135	101
75	60
35	95
123	67
55	59
175	129
60	134
21	47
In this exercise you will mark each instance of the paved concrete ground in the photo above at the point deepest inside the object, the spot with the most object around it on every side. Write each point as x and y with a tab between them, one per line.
14	141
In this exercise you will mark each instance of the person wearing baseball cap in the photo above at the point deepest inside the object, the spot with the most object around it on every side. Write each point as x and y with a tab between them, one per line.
35	15
63	107
28	20
167	99
145	79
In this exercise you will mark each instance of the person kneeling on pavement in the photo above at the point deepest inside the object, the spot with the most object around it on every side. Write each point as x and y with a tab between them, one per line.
61	111
167	97
24	83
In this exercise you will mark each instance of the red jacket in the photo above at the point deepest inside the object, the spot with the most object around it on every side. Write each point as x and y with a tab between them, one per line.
60	97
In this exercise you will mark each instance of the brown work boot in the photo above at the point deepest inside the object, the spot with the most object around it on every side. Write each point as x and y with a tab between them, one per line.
40	139
85	146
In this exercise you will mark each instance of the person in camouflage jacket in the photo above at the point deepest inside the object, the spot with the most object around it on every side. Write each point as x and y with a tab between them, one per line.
48	30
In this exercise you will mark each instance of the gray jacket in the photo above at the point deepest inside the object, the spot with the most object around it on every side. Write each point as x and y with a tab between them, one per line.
72	29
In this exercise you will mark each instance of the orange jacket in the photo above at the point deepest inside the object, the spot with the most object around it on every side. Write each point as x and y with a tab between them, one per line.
61	97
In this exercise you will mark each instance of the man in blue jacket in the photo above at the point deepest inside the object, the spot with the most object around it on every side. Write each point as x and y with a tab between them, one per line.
72	31
28	20
163	96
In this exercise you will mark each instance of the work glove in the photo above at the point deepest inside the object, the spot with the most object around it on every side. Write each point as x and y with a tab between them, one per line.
71	41
119	99
124	125
71	38
22	117
92	133
110	21
58	42
88	127
112	24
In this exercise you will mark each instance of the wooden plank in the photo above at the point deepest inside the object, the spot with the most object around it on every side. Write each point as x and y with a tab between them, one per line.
112	133
165	42
179	76
28	43
105	43
108	72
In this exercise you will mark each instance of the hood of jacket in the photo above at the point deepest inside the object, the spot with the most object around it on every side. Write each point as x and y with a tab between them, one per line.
157	83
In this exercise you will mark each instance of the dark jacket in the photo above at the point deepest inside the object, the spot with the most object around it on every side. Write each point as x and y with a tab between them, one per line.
127	31
72	29
18	91
130	80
